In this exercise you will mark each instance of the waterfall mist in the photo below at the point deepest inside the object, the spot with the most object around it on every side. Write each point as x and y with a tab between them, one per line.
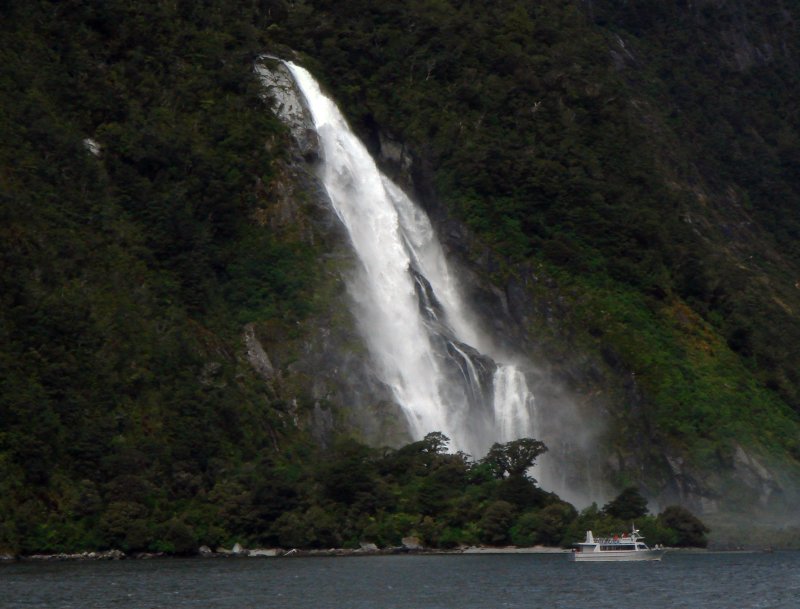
443	370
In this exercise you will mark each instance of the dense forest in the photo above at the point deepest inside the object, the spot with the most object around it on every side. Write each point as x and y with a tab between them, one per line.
653	177
641	160
635	168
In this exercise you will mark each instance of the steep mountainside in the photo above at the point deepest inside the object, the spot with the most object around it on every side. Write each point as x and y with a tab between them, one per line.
617	183
633	174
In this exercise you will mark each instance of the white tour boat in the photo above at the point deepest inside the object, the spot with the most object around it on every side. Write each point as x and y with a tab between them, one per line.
626	547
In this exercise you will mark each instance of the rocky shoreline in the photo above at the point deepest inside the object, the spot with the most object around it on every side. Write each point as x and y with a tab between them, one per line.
366	549
237	551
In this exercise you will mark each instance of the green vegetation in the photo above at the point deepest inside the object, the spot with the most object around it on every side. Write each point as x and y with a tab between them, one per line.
700	395
642	158
126	276
650	186
345	496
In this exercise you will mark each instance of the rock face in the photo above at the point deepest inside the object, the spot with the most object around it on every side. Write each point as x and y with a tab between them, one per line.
256	355
755	475
289	105
321	367
93	147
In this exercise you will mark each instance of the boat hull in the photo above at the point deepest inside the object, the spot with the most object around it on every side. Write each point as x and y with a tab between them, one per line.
617	555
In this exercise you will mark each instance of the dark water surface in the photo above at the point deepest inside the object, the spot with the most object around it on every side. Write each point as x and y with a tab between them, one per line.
681	580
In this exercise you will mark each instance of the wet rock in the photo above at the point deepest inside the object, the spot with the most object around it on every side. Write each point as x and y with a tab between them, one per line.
290	105
92	146
271	552
752	472
256	355
411	543
108	555
111	555
394	151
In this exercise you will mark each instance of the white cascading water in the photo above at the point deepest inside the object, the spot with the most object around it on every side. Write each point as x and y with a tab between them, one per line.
442	372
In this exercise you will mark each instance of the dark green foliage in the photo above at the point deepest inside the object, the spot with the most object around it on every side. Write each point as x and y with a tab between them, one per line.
496	523
314	528
689	530
350	473
176	537
655	186
640	156
554	521
628	505
521	491
674	527
126	274
518	112
525	531
321	499
514	458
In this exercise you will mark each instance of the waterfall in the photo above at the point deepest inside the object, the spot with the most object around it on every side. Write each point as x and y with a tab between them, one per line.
442	371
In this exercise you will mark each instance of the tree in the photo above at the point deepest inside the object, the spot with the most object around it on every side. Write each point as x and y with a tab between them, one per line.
176	537
521	491
349	471
514	458
628	505
496	522
554	521
690	530
525	531
435	442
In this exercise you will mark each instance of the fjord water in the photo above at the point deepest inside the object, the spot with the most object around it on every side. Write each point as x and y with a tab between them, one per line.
548	581
442	370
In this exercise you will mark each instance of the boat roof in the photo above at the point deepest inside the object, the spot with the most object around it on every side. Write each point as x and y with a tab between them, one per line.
631	537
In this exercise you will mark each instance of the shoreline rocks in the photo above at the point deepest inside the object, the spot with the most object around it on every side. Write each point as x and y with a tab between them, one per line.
107	555
410	546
